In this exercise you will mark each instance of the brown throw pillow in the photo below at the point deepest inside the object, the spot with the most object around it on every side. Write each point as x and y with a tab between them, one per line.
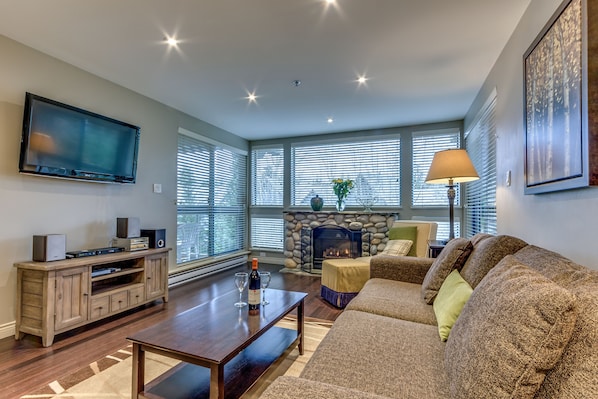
510	333
452	257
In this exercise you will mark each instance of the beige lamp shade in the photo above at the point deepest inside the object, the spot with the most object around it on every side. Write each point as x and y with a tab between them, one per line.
451	166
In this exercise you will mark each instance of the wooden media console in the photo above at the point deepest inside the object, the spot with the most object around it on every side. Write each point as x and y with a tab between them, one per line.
54	297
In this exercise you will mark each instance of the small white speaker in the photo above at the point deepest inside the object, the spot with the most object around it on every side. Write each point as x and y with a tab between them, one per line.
128	228
49	247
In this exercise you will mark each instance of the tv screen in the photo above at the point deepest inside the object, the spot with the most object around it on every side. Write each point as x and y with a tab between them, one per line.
60	140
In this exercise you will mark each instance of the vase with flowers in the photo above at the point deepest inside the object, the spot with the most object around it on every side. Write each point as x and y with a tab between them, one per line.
342	188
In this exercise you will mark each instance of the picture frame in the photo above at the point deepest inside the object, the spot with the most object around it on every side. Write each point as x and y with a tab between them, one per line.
555	109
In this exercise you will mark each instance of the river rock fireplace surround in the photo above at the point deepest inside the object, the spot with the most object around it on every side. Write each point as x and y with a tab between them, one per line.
311	237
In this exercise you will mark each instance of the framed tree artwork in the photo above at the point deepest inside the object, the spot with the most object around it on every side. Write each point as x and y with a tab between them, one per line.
556	114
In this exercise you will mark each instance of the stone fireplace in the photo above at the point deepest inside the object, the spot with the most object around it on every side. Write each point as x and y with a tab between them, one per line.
337	234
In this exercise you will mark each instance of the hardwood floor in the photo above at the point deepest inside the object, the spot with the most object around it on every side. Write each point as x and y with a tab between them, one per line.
25	365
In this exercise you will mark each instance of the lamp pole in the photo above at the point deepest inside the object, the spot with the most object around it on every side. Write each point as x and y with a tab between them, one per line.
451	197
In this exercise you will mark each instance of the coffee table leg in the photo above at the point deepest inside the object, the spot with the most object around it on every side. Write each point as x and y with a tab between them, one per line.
300	317
217	381
138	370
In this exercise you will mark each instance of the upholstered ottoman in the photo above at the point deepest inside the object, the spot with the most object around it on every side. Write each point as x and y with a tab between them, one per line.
342	279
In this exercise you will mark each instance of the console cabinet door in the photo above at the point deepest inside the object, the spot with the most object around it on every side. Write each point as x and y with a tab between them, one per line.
156	274
72	293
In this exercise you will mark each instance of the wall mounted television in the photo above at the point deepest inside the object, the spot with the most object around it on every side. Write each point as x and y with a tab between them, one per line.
63	141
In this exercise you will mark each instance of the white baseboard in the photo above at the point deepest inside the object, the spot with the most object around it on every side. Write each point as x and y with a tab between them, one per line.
7	330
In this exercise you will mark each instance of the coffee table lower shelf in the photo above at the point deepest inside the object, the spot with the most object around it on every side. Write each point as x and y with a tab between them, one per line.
188	381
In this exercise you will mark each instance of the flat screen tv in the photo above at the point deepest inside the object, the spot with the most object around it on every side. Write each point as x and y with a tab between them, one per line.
60	140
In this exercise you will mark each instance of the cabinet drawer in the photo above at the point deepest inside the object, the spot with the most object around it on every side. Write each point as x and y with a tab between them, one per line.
99	307
136	295
119	300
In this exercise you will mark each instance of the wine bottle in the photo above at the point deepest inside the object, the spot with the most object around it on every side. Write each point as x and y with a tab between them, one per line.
254	297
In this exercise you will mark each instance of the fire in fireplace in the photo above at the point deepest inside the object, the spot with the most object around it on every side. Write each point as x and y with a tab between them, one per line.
329	241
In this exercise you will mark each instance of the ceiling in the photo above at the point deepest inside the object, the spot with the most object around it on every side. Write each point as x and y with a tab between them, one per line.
424	60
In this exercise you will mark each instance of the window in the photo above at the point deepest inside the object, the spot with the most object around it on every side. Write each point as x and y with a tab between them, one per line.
267	233
443	230
425	145
211	198
480	143
267	173
374	165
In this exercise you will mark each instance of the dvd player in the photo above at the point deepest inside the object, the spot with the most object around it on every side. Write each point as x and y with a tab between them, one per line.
92	252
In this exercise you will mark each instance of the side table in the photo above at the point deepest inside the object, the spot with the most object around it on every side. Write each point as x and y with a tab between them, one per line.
435	247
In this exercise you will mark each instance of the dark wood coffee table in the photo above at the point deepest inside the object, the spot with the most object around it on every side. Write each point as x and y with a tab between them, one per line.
224	350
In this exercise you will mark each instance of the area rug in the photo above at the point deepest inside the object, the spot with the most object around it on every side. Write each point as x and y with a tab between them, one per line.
110	377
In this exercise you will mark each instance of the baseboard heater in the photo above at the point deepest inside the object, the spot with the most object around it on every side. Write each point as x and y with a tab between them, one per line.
189	275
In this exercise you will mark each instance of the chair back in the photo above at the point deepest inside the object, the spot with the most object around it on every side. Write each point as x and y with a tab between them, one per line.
426	231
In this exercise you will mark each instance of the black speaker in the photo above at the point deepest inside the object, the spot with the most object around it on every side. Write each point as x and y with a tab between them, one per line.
157	237
127	228
49	247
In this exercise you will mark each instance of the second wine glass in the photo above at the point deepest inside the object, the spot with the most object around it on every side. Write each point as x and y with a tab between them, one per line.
241	283
264	281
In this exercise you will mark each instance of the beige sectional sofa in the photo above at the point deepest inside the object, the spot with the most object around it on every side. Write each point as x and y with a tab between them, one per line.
528	330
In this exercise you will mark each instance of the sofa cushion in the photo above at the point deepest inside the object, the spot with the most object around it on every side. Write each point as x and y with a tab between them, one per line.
576	373
405	233
552	265
397	247
452	296
382	356
510	333
396	299
487	252
452	257
475	240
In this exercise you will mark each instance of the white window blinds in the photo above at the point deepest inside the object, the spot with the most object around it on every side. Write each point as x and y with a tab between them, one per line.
267	172
267	233
481	194
425	145
211	199
374	165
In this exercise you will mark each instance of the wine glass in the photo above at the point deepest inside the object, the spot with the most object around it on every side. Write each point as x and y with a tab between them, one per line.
240	283
264	281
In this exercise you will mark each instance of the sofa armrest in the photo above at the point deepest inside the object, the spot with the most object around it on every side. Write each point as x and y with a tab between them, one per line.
300	388
409	269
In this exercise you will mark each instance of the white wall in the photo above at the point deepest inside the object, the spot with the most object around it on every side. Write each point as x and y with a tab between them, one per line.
564	222
85	212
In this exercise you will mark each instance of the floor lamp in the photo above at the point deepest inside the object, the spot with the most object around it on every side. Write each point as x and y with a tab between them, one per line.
450	167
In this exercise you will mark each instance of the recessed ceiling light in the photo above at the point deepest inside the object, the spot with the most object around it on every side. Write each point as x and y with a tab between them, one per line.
251	97
171	41
330	120
362	79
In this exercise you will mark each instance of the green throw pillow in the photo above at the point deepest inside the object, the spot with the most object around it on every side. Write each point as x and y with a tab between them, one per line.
452	296
405	233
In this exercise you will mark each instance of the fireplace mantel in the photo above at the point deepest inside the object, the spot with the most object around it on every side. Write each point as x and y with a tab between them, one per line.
373	225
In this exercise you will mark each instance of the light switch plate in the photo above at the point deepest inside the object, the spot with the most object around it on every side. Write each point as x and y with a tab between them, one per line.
157	188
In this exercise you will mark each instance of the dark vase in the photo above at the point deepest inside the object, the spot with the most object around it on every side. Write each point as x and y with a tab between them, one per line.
317	203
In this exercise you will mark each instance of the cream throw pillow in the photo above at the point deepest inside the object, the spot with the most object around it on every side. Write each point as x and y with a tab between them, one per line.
510	333
397	247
